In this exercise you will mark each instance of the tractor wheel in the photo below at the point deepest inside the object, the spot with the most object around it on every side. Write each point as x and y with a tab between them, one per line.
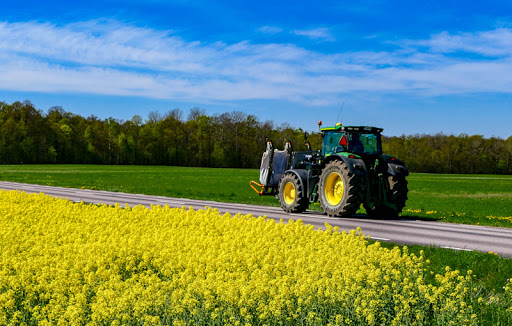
291	195
341	192
397	196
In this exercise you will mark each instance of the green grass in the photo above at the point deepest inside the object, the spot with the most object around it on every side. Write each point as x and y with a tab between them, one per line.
225	185
468	199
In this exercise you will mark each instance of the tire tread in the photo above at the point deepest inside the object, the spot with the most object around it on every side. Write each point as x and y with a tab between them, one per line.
302	203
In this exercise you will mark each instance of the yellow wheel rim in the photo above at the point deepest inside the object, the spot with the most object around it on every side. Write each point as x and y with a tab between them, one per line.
289	193
334	188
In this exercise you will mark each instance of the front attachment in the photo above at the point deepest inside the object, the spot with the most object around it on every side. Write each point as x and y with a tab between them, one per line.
254	184
274	163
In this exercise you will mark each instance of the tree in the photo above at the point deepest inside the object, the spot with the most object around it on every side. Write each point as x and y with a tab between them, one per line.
233	139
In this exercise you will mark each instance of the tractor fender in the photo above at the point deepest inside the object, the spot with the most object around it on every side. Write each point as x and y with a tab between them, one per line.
307	181
398	170
356	166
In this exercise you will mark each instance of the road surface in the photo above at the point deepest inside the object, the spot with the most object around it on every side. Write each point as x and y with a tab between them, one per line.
402	231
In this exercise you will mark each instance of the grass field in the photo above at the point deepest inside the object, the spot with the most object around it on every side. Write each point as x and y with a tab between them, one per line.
468	199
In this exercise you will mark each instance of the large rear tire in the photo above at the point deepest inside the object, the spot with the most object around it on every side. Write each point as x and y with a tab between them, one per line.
396	194
291	195
341	192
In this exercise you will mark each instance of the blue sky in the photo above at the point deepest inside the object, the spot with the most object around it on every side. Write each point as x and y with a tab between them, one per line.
407	66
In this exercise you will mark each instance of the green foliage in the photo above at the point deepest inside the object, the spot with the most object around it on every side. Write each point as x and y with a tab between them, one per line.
452	154
234	140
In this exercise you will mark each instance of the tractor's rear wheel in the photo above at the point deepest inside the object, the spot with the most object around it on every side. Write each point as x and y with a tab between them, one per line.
397	196
291	195
341	192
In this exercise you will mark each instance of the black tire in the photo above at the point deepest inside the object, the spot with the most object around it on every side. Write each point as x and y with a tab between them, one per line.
296	202
397	195
339	199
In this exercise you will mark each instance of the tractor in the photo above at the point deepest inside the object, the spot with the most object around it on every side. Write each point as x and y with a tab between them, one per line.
348	171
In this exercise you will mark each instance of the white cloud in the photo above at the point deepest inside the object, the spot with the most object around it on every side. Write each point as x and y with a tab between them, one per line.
322	34
102	43
270	29
497	42
108	57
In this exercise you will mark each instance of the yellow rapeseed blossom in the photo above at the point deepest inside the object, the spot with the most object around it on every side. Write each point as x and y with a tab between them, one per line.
63	263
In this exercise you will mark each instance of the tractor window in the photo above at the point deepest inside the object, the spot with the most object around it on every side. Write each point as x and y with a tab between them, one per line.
364	144
331	144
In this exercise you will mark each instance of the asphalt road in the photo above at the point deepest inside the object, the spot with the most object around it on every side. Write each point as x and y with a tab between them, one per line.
403	231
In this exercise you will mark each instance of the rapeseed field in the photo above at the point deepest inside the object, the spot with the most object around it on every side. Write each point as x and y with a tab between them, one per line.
65	263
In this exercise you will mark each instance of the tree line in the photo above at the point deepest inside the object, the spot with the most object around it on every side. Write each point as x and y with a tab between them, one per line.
235	139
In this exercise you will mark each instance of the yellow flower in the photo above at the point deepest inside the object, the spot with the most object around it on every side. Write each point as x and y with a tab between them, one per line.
74	263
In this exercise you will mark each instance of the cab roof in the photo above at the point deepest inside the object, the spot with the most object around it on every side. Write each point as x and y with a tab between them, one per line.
340	127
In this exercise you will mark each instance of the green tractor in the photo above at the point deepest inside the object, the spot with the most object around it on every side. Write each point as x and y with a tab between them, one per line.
348	171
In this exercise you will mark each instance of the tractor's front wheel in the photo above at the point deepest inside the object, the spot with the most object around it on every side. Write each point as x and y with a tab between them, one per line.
291	195
396	193
341	192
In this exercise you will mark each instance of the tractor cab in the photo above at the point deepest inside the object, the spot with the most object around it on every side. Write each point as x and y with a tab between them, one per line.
361	141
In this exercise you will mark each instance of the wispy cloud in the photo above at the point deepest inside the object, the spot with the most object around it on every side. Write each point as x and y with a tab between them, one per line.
270	29
109	57
497	42
103	43
322	33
